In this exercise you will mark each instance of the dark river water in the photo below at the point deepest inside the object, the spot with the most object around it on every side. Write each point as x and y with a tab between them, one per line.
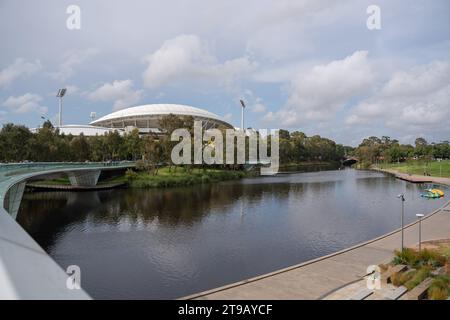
167	243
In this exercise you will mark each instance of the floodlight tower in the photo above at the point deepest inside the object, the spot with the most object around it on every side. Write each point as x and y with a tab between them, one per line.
60	95
242	114
93	115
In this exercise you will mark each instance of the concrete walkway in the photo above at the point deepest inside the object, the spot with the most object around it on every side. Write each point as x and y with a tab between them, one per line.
317	278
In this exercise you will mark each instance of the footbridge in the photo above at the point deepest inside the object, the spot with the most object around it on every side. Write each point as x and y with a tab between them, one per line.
349	161
26	270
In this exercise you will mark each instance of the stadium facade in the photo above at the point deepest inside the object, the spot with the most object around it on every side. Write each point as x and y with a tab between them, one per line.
146	118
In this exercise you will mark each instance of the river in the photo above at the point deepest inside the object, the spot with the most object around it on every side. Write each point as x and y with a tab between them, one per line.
168	243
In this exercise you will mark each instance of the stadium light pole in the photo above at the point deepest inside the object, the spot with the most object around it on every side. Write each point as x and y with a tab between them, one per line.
420	216
402	198
242	114
60	94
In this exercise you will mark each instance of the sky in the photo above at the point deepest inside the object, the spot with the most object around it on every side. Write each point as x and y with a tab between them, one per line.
307	65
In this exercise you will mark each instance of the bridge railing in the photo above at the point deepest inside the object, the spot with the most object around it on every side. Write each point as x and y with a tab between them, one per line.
10	169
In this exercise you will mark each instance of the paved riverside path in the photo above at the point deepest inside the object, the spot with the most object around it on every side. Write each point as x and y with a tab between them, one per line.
415	178
316	278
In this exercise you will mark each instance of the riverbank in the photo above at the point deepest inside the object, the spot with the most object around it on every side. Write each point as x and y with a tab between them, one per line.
310	166
178	177
165	177
415	177
417	167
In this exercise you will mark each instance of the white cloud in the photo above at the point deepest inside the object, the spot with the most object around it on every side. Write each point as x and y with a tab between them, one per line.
410	100
418	81
186	58
254	103
121	92
258	106
324	90
71	60
228	117
71	89
18	69
26	103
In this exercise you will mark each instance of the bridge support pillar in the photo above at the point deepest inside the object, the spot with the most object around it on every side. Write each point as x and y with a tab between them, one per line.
13	199
82	178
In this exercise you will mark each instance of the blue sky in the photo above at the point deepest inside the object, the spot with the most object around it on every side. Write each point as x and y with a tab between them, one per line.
308	65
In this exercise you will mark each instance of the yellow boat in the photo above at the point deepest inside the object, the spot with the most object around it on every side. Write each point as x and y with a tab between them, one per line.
438	191
433	193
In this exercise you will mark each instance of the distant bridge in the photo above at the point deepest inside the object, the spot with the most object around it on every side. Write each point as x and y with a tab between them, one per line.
26	270
349	161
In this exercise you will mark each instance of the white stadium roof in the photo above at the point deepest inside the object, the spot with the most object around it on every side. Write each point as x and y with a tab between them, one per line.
149	110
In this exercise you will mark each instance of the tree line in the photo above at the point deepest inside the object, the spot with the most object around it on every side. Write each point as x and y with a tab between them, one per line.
374	150
18	143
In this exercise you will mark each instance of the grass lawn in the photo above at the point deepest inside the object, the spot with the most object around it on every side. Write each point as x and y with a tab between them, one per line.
435	168
180	177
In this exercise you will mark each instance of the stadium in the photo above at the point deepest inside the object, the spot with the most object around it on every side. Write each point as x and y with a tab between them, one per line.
146	118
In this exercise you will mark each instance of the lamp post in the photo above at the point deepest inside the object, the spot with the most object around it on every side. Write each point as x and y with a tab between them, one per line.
242	114
60	94
420	216
402	198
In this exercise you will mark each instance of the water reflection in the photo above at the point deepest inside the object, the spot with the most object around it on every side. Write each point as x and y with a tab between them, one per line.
168	243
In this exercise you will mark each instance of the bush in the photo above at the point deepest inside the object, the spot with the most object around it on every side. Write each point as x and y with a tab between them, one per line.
440	288
414	258
131	175
431	258
408	257
400	278
166	178
418	277
140	165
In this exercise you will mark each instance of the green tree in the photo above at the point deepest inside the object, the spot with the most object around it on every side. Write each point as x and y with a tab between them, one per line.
132	145
153	151
80	148
14	142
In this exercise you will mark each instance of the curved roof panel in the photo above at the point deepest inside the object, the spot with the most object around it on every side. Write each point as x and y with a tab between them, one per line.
158	109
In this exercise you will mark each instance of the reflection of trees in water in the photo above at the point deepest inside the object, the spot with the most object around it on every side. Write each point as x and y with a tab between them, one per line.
187	206
35	208
173	206
45	215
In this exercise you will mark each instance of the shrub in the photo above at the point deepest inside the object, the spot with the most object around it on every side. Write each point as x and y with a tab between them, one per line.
440	288
140	165
408	257
418	277
130	175
400	278
436	293
206	178
414	258
431	257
